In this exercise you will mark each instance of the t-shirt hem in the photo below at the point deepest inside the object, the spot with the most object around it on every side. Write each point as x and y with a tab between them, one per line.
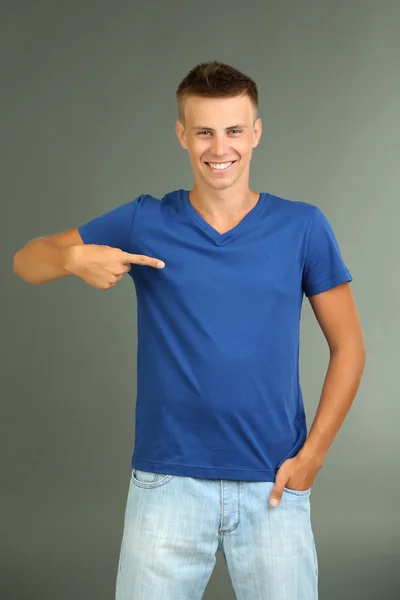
204	472
329	283
86	234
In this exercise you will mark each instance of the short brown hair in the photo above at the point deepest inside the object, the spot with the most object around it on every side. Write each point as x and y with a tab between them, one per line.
215	80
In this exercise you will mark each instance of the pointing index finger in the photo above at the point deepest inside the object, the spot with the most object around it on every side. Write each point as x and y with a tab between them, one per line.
142	259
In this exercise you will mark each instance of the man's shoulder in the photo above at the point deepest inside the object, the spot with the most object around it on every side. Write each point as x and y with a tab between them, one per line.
292	207
153	200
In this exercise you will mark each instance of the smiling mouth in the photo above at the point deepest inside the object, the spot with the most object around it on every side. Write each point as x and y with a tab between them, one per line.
220	169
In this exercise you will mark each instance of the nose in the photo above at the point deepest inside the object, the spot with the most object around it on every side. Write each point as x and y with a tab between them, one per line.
219	146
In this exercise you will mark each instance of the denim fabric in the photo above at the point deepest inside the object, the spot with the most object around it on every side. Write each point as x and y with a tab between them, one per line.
175	525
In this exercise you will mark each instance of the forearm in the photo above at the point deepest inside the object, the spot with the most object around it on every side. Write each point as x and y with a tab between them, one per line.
339	390
40	261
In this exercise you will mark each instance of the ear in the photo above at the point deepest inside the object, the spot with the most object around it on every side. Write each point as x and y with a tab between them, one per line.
180	133
257	132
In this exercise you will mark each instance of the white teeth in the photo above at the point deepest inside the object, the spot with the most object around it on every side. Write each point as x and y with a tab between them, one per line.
220	166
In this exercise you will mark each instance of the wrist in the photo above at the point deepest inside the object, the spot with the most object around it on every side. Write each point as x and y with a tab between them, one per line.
308	454
69	259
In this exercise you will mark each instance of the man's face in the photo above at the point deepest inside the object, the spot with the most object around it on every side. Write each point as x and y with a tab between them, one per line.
219	130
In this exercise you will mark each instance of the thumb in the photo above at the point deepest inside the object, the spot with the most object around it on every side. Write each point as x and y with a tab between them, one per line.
277	490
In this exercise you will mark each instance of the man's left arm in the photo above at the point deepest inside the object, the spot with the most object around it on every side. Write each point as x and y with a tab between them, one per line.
336	313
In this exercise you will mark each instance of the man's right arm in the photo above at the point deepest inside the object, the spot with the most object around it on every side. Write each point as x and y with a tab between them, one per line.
47	258
102	266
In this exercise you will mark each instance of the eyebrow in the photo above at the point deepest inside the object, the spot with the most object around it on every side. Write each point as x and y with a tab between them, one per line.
211	129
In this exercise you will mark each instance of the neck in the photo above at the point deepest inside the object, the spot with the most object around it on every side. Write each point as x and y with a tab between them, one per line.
222	207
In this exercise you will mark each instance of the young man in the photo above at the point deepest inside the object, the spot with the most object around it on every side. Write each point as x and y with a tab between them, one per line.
222	460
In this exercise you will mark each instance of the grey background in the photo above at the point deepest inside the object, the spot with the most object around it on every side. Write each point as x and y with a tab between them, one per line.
88	123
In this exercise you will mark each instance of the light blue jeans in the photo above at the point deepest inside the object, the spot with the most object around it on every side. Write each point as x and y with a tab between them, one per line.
175	525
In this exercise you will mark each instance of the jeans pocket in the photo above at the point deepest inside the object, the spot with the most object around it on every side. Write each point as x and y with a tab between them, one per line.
297	492
148	479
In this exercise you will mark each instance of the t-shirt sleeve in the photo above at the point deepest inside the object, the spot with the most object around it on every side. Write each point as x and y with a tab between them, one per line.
113	228
324	267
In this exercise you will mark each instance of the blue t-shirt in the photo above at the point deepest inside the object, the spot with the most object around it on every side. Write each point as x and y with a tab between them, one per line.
218	391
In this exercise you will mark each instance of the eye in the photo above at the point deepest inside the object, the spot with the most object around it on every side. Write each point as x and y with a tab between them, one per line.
203	132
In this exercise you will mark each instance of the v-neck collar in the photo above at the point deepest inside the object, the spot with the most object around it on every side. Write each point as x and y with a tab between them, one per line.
220	238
